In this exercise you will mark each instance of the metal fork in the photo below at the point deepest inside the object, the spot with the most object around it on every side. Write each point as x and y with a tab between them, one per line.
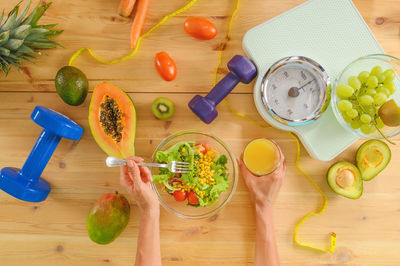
173	167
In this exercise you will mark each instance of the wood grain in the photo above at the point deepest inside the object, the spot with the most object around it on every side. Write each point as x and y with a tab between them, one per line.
54	233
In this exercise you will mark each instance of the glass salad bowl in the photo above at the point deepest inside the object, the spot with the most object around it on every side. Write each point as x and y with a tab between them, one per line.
182	208
368	105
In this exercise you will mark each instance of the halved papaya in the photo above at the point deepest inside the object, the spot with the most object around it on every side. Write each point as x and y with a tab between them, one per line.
112	120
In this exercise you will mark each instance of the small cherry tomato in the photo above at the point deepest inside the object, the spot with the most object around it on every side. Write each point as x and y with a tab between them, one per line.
192	198
180	195
165	66
200	28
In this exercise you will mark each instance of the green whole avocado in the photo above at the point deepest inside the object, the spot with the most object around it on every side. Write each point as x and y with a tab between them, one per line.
108	218
72	85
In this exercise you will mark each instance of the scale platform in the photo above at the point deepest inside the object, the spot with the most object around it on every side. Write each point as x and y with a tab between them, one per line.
333	33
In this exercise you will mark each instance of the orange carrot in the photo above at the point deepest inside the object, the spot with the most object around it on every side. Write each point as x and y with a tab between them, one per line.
125	7
138	22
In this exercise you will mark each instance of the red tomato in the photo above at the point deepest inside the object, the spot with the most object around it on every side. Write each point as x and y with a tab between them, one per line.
200	28
192	198
165	66
203	148
180	195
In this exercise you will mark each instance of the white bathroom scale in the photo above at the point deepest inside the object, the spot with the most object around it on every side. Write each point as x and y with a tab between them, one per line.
331	32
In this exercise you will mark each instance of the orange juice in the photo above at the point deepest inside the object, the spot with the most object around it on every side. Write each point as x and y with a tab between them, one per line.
261	156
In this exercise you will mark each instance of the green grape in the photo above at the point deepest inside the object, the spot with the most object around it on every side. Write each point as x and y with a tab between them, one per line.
381	78
380	98
384	90
355	83
346	118
389	74
371	92
355	124
376	70
379	123
344	91
372	82
352	113
363	76
390	86
366	100
367	129
344	105
365	118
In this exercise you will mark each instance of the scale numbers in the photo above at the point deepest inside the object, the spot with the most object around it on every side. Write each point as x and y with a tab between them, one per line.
294	92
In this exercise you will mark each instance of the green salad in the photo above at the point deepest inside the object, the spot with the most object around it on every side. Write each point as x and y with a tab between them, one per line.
206	179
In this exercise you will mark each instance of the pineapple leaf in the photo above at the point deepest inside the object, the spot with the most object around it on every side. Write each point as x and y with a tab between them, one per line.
11	61
36	33
4	65
25	49
28	58
23	13
13	44
54	33
39	12
10	20
4	37
48	26
1	16
40	44
4	51
21	32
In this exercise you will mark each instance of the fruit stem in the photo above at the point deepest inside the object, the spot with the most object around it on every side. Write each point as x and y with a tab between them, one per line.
383	135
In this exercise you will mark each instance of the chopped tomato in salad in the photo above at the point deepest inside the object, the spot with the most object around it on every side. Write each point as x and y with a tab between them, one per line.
206	179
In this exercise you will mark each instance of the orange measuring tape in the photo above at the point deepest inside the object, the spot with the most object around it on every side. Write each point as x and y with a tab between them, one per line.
226	40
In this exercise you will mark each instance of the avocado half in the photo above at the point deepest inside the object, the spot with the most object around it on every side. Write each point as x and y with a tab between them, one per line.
345	179
372	157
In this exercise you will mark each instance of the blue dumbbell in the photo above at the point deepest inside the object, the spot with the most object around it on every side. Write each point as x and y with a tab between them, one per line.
26	184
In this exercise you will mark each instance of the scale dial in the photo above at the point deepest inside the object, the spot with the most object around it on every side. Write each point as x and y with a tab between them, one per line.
294	90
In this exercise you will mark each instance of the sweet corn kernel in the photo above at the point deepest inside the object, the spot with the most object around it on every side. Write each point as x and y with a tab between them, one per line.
183	149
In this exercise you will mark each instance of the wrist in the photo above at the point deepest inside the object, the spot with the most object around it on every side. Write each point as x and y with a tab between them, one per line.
263	208
150	211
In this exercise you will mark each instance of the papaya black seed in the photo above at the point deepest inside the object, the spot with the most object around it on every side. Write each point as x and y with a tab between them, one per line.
110	118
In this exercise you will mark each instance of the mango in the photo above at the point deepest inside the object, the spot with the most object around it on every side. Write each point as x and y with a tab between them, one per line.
108	218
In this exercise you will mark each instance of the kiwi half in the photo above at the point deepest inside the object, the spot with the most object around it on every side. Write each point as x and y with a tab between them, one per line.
163	108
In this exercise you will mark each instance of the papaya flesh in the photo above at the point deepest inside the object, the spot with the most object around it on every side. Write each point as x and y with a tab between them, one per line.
108	218
112	120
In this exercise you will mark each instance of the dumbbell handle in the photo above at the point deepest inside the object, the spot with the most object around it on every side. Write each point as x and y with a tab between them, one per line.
39	156
223	88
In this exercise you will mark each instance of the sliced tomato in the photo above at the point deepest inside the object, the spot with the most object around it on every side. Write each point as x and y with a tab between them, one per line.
202	148
192	198
180	195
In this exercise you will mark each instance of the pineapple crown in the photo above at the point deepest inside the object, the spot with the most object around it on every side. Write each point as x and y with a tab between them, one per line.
21	37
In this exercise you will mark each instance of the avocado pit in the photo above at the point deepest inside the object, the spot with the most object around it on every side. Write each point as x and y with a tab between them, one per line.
345	178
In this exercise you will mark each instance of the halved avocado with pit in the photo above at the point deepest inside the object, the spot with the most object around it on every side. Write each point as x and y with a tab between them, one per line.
372	157
345	179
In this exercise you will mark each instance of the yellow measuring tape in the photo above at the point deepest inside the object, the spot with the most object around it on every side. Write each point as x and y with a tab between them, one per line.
98	59
226	40
322	210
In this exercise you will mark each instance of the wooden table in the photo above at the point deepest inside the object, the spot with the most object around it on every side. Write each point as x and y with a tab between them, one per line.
54	232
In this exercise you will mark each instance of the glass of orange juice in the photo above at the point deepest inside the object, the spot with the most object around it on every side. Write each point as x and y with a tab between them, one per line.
262	156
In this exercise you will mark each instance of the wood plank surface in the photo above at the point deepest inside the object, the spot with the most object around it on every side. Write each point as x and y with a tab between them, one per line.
54	232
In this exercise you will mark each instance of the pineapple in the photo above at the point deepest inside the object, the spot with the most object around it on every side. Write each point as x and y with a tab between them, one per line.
21	37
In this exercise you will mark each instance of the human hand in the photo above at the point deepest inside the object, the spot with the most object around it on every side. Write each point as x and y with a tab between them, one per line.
264	189
136	180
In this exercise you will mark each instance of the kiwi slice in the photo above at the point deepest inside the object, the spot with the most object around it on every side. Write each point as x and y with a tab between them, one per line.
163	108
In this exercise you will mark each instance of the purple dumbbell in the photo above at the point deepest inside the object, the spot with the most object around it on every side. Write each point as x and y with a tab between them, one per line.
241	70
